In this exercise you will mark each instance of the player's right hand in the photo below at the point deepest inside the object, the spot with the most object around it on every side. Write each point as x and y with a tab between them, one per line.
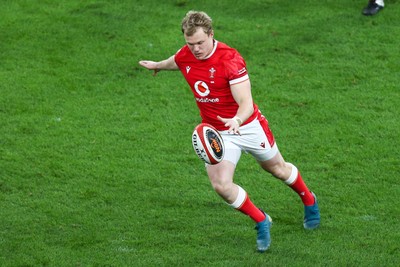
232	124
150	65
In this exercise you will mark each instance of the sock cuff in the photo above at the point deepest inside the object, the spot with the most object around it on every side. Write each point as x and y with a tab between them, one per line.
380	2
241	197
293	176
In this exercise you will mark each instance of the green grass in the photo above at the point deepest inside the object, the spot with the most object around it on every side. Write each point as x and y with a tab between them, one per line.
96	163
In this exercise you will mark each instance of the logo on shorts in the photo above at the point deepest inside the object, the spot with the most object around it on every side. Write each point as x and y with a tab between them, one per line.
262	144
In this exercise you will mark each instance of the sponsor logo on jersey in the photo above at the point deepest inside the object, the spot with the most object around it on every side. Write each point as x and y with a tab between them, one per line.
201	88
207	100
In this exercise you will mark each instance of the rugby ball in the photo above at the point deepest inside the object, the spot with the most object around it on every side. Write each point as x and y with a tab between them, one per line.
208	143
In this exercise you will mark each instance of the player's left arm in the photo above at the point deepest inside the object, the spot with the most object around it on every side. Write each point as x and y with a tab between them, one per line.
241	92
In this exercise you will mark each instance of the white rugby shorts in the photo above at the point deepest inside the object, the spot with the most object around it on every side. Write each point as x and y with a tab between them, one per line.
255	138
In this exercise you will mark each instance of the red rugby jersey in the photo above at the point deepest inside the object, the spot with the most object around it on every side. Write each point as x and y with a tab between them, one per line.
210	81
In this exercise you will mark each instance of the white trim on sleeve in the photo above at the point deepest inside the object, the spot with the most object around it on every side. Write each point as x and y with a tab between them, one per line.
239	80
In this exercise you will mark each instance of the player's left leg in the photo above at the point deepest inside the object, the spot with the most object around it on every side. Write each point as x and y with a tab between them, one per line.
290	175
264	148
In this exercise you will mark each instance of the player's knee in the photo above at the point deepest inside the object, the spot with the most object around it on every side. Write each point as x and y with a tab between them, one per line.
279	171
222	189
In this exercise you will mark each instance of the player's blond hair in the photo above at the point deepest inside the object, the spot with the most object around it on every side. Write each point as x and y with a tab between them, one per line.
194	20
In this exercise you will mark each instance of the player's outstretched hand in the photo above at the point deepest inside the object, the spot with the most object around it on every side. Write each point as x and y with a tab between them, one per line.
232	124
150	65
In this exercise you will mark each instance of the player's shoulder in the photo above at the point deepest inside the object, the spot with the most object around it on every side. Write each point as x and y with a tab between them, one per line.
182	51
226	49
227	53
183	55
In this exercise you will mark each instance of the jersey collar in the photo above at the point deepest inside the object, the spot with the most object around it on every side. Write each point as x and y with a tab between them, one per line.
213	51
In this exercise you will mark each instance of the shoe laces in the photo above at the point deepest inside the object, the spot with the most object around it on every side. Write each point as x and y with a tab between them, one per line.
262	229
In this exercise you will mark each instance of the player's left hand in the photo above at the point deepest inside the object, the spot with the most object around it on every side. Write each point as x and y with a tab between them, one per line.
232	124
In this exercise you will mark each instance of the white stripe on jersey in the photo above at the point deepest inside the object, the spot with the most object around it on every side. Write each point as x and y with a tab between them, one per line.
239	80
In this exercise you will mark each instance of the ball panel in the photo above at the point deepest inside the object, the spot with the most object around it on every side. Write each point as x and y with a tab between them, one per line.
214	143
208	143
198	146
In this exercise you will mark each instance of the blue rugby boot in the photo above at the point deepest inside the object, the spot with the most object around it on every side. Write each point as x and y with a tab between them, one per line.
263	234
312	217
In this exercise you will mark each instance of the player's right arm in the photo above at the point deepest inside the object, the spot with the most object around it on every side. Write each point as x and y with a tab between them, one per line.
167	64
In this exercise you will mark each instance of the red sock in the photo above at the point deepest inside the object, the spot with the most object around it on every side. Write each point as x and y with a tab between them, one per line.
251	210
244	205
296	182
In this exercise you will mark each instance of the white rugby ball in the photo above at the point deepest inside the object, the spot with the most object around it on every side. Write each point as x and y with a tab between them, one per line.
208	143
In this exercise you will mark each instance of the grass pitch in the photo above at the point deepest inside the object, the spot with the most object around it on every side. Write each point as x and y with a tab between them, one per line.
96	163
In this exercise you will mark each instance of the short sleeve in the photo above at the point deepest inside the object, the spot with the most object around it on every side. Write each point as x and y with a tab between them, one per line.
236	69
177	57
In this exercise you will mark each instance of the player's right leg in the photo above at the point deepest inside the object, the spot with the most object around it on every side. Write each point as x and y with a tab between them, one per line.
221	178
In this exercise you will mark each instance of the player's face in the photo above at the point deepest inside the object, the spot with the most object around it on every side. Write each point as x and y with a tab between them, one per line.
200	43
